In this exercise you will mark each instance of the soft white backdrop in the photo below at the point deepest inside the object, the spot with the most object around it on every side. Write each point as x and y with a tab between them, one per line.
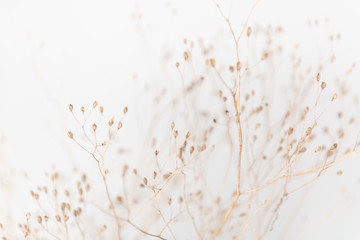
57	52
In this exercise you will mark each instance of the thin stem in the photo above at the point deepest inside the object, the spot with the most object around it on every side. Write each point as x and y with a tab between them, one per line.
240	145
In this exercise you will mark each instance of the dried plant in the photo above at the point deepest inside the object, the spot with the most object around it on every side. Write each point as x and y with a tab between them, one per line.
219	158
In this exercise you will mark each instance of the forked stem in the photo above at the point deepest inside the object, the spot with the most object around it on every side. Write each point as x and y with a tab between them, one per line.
240	145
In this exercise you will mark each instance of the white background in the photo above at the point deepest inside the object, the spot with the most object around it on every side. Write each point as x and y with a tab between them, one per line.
57	52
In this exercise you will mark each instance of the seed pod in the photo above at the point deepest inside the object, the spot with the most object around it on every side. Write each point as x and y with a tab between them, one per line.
192	148
306	110
212	62
238	66
248	31
303	149
167	175
308	131
264	56
70	135
203	147
125	169
290	131
323	85
65	218
186	56
333	147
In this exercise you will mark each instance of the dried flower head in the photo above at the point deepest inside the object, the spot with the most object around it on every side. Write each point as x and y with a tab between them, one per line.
192	148
306	110
103	228
238	66
248	31
323	85
212	62
65	218
186	56
111	122
264	56
308	131
70	135
334	146
125	110
290	131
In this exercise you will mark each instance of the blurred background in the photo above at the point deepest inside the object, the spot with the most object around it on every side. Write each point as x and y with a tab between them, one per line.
53	53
